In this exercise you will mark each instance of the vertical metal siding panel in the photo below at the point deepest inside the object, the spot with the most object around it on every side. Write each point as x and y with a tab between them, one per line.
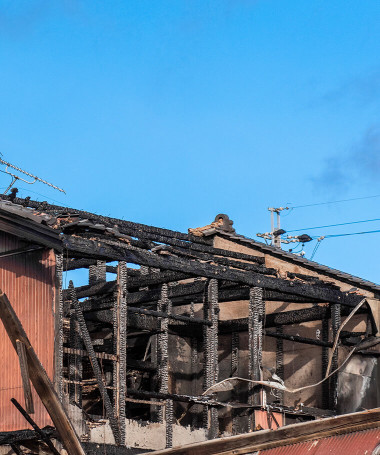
28	280
357	443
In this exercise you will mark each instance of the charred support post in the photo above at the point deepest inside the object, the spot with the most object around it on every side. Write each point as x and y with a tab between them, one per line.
194	370
120	348
58	323
255	340
325	361
211	312
280	362
36	428
234	372
165	305
75	361
95	365
335	324
97	273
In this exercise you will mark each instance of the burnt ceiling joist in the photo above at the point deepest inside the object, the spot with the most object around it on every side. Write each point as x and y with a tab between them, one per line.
116	251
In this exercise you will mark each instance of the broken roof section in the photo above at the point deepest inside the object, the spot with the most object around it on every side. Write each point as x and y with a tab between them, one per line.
354	434
222	227
28	224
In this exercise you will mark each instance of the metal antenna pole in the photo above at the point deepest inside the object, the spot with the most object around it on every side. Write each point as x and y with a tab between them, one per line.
277	238
17	177
272	225
275	234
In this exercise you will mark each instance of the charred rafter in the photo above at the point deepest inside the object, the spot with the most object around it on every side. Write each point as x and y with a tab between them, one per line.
101	250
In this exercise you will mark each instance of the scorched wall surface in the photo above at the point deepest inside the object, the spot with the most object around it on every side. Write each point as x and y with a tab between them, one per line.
28	281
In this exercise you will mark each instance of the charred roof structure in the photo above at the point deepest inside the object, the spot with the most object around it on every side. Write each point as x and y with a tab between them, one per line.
155	338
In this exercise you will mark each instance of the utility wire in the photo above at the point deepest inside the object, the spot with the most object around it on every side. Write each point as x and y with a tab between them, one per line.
335	202
333	225
329	236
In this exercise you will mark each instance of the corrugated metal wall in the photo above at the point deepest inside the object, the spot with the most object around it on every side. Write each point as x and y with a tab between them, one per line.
358	443
28	281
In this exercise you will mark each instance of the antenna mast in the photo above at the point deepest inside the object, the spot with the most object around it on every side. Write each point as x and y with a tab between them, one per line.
17	177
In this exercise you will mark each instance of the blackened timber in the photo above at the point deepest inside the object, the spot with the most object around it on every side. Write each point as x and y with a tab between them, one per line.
137	321
36	428
73	264
176	317
175	397
133	282
333	381
21	352
315	313
14	437
220	260
120	348
255	342
298	339
95	366
136	227
138	256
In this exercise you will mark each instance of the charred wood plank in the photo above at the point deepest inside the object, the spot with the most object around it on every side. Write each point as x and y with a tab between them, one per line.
138	256
133	282
21	352
14	437
95	365
298	339
35	427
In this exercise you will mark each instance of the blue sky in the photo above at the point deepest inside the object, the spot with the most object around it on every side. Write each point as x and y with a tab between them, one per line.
169	112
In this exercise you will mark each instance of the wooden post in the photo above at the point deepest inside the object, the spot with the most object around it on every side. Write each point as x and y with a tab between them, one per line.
120	348
255	339
95	365
335	324
58	327
21	352
40	379
211	313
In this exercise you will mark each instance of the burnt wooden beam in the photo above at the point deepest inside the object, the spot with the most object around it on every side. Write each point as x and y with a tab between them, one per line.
120	347
35	427
40	379
16	437
257	266
138	256
134	228
298	339
21	352
95	365
173	396
133	282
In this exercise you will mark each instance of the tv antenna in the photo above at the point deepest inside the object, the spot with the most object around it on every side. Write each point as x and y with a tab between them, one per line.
17	177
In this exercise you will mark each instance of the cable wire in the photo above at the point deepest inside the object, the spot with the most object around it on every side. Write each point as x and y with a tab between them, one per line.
335	202
351	233
333	225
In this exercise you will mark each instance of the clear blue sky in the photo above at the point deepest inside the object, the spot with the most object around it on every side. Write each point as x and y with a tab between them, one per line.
169	112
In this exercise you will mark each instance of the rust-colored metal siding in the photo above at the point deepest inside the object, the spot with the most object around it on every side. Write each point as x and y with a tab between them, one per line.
358	443
28	281
267	422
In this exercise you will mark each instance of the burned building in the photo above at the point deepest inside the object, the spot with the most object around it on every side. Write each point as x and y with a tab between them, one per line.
154	338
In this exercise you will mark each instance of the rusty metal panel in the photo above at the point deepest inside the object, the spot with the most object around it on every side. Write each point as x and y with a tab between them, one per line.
267	422
28	281
358	443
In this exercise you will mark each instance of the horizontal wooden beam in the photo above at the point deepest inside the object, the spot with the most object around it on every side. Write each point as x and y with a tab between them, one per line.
104	251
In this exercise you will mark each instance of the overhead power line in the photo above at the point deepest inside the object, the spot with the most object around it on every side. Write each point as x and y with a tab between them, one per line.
333	225
329	236
335	202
